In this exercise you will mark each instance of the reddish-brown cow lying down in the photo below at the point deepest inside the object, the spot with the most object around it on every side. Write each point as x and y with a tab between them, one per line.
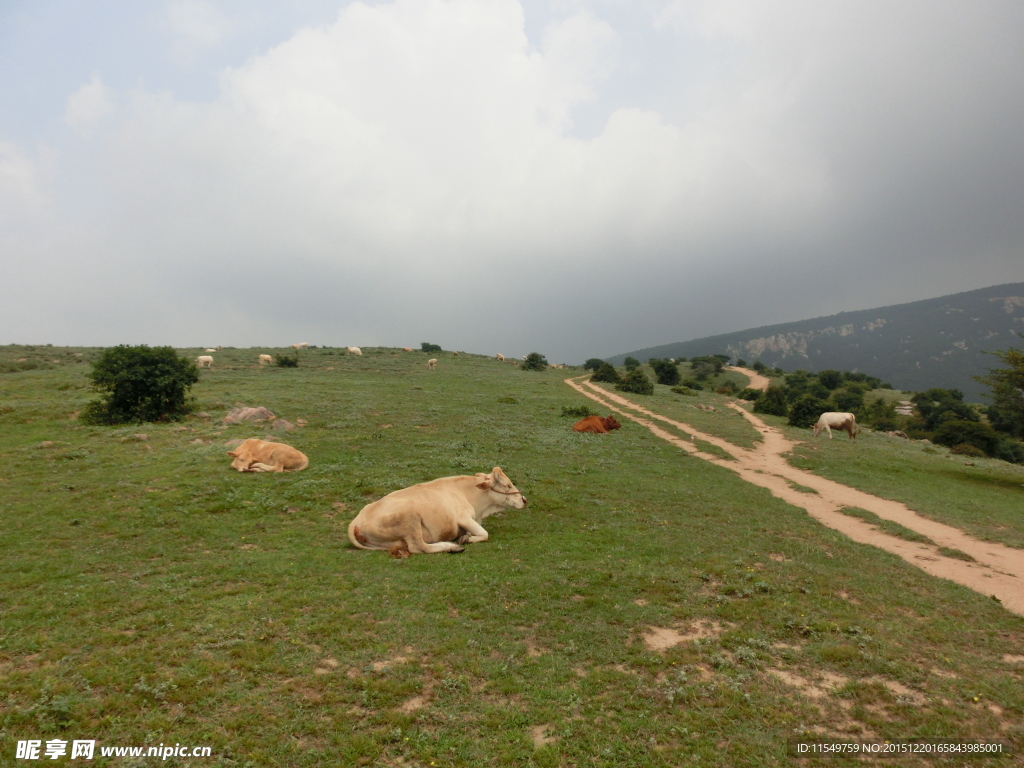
832	420
260	456
597	424
437	516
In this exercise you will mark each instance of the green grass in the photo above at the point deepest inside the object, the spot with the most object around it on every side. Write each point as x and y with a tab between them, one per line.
889	526
153	595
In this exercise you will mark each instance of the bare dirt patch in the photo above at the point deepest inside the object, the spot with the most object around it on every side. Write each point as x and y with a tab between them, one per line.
663	638
539	735
1012	658
996	570
818	689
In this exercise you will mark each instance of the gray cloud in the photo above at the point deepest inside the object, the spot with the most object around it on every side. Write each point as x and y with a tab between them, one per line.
623	177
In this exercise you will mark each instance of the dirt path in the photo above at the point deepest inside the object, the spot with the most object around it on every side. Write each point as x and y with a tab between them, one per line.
757	381
998	570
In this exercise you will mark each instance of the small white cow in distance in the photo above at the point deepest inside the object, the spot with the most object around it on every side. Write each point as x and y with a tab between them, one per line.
204	361
355	351
499	357
438	516
432	363
260	456
300	345
210	350
833	420
266	359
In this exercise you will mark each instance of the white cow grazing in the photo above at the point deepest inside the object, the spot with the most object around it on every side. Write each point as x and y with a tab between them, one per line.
432	363
204	361
833	420
300	345
438	516
265	359
355	351
500	357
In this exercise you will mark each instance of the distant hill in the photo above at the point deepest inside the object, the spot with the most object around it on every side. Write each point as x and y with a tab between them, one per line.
932	343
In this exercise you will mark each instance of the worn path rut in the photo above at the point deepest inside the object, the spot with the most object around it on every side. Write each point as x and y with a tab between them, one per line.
998	570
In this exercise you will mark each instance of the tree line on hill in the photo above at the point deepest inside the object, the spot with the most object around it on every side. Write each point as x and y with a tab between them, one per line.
941	415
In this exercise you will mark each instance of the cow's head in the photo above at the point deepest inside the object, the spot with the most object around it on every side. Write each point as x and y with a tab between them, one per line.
610	423
497	482
242	458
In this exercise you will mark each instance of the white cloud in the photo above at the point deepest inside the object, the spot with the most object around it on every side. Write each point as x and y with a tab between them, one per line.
88	106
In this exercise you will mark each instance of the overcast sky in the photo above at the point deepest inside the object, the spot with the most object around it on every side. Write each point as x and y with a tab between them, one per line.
575	177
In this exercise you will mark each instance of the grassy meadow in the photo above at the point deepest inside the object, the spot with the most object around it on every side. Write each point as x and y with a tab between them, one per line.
152	595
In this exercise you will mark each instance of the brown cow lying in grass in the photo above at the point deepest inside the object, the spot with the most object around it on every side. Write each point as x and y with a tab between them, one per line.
596	424
260	456
437	516
833	420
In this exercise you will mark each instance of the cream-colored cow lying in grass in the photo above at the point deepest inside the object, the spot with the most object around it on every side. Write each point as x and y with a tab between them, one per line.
260	456
438	516
833	420
355	351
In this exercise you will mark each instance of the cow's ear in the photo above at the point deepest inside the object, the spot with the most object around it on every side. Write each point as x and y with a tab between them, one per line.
233	454
484	482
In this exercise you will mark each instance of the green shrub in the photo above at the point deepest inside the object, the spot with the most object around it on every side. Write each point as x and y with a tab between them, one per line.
727	388
684	391
884	425
848	401
702	369
593	364
140	383
956	432
691	384
534	361
940	405
759	366
637	383
919	434
287	361
631	363
606	373
577	411
806	411
1009	450
741	363
772	401
680	359
426	346
966	449
665	371
830	379
750	394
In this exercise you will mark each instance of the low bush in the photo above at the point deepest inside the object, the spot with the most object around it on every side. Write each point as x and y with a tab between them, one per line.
759	366
631	363
1009	450
287	361
684	391
637	383
772	401
593	364
665	371
691	384
884	425
830	379
426	346
966	449
919	434
606	373
140	383
727	388
806	411
534	361
957	432
750	394
741	363
848	401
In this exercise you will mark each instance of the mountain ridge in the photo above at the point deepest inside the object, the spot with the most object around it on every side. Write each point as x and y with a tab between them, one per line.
938	342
